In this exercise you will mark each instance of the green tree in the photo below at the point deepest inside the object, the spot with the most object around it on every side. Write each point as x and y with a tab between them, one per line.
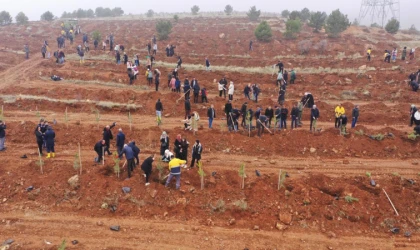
99	11
21	18
285	13
90	13
317	20
228	9
163	29
96	35
375	25
253	14
392	26
150	13
292	28
117	11
47	16
81	13
305	14
336	23
294	15
176	18
355	22
5	18
263	32
195	9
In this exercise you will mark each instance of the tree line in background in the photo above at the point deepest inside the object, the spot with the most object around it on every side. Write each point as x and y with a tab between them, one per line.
334	24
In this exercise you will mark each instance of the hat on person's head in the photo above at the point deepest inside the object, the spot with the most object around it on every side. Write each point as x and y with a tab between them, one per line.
164	133
314	106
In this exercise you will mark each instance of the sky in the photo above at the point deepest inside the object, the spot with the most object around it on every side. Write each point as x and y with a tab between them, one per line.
34	8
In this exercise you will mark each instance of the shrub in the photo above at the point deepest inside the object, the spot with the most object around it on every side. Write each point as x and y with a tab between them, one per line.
375	25
355	22
412	136
243	205
21	18
150	13
294	15
285	13
163	29
47	16
176	18
292	28
228	9
350	199
304	46
305	14
96	35
321	46
263	32
117	11
253	14
219	207
392	26
336	23
195	9
317	20
5	18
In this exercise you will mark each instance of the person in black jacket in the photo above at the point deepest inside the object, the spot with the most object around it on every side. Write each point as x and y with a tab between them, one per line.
146	166
243	112
39	138
164	143
196	153
282	93
2	135
413	110
184	149
224	83
120	140
261	122
294	116
98	149
187	89
159	109
343	122
196	89
107	136
284	113
211	114
187	108
280	65
177	147
314	118
179	63
50	139
269	112
125	58
247	90
285	76
136	150
228	109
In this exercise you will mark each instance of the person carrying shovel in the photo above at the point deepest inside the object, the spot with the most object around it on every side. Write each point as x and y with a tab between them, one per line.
314	118
175	171
261	124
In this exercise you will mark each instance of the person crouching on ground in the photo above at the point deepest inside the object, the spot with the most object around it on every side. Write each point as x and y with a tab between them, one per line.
146	166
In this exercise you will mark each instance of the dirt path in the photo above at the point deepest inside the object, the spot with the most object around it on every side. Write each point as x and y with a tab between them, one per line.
31	229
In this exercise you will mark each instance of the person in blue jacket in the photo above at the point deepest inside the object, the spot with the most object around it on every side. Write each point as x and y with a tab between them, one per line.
50	140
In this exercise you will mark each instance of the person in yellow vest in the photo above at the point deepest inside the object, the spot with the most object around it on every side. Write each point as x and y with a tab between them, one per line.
175	171
369	52
63	32
339	111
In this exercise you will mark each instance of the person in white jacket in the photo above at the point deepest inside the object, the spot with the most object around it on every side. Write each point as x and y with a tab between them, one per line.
230	91
221	87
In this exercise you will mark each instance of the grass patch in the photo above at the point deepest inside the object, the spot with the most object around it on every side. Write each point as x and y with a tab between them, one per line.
219	206
241	204
350	199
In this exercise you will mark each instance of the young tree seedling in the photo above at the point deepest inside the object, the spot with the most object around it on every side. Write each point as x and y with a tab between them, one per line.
350	199
76	162
41	162
282	179
160	168
117	169
130	119
242	175
2	113
80	159
62	245
201	173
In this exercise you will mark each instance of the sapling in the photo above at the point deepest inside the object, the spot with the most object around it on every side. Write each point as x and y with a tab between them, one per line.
282	179
76	162
130	119
372	182
160	168
201	173
41	162
62	245
80	158
117	164
350	199
66	118
242	175
248	123
2	113
97	117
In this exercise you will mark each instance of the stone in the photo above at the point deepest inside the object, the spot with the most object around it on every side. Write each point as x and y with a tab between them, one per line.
335	150
331	234
5	247
167	115
153	193
210	222
74	182
312	150
187	182
285	218
165	214
192	190
256	227
190	42
212	180
182	201
272	162
348	80
126	190
363	67
8	242
366	93
115	228
222	35
231	222
280	226
99	223
195	228
104	205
